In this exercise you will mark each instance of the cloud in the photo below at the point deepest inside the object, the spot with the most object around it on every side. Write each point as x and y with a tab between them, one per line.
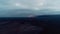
53	4
28	4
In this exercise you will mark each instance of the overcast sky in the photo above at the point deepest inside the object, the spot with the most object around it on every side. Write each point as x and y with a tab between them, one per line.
35	5
30	4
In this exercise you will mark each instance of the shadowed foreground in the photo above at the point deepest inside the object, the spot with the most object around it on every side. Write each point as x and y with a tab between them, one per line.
47	24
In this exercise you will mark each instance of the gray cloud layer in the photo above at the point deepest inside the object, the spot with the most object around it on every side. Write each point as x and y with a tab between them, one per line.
29	4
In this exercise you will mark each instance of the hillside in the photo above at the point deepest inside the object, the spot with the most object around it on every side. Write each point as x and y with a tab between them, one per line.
46	24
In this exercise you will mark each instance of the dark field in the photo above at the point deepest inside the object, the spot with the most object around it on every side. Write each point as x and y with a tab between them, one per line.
46	24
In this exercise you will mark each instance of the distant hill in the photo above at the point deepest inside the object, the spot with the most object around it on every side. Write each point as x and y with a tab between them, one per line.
53	22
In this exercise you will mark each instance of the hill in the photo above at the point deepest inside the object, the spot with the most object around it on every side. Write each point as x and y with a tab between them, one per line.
45	24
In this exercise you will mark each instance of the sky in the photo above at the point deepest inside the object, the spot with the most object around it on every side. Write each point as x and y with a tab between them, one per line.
30	4
36	7
19	4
